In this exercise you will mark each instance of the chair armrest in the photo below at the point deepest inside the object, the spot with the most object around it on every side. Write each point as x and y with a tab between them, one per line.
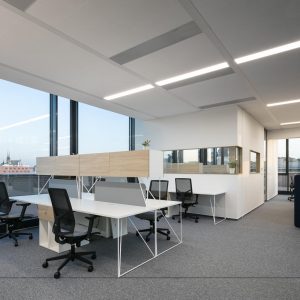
91	219
24	206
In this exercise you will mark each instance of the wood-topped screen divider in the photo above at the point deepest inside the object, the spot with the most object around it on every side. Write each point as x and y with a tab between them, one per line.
115	164
58	165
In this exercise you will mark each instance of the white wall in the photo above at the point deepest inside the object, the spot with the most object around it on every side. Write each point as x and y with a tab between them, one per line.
250	137
228	126
207	128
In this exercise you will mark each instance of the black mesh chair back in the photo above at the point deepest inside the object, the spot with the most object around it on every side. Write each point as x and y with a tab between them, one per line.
62	210
158	189
184	188
5	204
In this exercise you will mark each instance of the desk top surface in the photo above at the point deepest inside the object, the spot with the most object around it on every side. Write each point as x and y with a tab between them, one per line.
207	192
104	209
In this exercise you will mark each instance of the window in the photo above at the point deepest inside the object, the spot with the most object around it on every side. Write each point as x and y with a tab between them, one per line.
254	162
63	126
101	130
24	126
294	156
219	160
24	135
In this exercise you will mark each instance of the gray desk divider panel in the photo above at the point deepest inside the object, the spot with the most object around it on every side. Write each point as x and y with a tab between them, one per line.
69	185
122	193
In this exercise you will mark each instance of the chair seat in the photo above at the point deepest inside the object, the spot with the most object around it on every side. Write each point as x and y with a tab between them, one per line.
188	202
149	216
9	217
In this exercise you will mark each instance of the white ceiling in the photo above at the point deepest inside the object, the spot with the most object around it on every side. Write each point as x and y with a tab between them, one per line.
65	47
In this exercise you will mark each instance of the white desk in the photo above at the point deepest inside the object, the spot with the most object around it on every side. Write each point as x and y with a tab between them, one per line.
212	199
115	211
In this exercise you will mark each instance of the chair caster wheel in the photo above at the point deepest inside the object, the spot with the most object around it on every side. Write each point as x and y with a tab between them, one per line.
45	264
137	234
147	239
173	218
93	256
168	238
90	268
16	244
30	237
196	221
168	232
179	221
56	275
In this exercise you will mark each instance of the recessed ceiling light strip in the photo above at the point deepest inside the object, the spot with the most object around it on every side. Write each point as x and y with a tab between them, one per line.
192	74
269	52
129	92
283	102
290	123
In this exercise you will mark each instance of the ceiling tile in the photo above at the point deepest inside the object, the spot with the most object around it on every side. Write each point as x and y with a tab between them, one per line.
222	89
186	56
111	26
35	50
157	103
246	26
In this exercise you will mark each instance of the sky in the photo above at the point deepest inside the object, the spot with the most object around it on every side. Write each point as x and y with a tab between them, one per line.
24	125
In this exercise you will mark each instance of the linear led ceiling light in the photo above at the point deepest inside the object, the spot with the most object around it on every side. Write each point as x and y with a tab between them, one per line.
269	52
199	72
283	102
130	92
290	123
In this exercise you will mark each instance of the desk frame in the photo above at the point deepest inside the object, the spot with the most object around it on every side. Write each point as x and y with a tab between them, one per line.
212	200
155	254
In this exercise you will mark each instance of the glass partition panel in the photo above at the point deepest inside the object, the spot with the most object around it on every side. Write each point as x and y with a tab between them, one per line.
218	160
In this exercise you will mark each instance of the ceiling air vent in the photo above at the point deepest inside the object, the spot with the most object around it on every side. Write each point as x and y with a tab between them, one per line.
235	101
20	4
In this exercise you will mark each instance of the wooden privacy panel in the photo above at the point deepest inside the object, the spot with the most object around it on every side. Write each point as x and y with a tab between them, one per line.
94	164
129	163
115	164
58	165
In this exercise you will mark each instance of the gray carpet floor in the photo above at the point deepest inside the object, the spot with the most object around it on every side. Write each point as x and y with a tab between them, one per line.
256	257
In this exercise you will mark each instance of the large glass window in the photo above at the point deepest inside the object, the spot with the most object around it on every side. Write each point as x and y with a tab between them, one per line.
24	126
288	163
24	135
101	130
294	156
63	126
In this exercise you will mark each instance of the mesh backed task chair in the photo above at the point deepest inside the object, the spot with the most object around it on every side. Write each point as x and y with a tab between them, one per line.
63	229
13	221
158	190
184	193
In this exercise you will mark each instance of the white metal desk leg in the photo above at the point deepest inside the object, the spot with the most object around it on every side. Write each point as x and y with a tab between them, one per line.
213	209
155	232
118	237
180	212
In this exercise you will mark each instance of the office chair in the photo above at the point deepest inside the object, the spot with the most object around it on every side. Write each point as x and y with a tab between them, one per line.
292	189
13	221
184	193
63	229
158	190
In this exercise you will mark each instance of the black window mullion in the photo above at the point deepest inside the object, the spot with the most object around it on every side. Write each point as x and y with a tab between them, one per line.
131	134
53	125
73	127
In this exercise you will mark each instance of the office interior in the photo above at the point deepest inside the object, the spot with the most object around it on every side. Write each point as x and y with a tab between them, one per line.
208	89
